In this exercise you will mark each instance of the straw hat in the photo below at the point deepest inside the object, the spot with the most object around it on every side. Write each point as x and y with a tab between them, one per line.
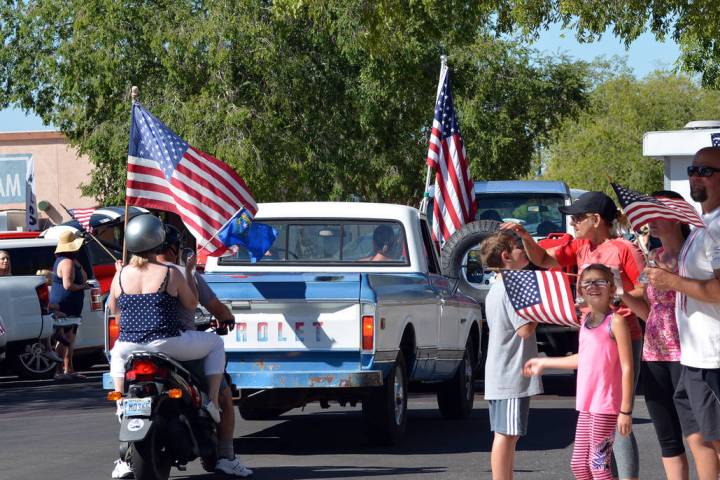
68	242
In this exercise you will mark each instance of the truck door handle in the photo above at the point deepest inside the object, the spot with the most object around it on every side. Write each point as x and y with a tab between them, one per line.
463	320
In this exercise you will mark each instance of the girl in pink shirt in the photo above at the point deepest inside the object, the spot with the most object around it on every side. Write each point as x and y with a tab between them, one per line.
604	376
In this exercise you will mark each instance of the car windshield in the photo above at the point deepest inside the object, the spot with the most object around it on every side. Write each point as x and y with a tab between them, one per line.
331	242
538	213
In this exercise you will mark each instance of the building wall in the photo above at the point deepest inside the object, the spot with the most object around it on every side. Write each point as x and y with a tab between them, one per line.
59	171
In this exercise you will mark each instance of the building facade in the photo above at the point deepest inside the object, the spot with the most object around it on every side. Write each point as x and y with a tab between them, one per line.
58	173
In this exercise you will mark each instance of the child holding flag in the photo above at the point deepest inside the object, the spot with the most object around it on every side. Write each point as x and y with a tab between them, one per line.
511	343
604	366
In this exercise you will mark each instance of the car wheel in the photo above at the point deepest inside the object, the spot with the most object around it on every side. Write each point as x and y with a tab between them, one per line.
385	409
455	259
456	396
30	363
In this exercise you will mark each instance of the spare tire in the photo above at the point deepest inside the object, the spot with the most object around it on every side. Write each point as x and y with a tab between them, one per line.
454	258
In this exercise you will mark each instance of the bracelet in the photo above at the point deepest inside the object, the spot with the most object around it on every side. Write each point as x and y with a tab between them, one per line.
626	413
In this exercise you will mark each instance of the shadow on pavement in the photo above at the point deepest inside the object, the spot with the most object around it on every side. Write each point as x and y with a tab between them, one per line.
323	471
427	433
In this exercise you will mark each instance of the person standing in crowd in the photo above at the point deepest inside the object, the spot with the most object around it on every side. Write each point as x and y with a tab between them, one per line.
605	374
592	216
511	343
227	462
69	282
697	284
661	356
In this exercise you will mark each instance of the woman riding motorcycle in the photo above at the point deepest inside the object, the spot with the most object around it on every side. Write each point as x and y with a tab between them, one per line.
146	294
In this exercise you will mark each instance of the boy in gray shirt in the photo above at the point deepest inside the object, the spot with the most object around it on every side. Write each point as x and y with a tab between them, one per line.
511	343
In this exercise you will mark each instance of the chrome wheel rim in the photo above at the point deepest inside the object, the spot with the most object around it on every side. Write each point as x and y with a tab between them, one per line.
33	359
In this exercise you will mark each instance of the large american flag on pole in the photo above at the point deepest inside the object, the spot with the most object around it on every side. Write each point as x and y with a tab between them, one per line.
542	296
454	203
166	173
641	209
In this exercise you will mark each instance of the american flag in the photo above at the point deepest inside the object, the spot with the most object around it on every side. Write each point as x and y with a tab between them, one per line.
542	296
715	139
454	203
82	215
166	173
641	209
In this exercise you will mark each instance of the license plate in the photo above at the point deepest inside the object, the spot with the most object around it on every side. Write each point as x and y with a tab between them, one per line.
137	407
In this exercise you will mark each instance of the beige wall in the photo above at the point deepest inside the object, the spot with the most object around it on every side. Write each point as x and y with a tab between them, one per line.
59	170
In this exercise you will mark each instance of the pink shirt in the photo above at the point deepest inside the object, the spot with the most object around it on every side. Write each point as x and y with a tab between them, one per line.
599	376
619	255
662	340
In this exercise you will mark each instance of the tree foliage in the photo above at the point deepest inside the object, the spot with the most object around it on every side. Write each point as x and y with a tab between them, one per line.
606	140
305	103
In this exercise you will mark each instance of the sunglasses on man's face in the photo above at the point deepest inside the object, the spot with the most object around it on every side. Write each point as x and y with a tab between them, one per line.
701	171
594	283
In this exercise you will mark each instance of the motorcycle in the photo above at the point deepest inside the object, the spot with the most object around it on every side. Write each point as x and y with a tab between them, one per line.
163	422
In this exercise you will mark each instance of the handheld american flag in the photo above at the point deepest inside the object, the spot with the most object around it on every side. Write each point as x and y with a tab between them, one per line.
166	173
641	209
82	215
541	296
454	203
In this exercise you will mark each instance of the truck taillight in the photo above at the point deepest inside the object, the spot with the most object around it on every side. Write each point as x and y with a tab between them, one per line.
368	332
96	299
44	298
113	329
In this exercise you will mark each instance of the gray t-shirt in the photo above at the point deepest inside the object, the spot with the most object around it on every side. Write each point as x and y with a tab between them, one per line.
507	351
205	296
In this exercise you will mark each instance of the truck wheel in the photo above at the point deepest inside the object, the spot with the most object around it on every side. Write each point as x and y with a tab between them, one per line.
456	263
249	413
30	363
385	410
456	396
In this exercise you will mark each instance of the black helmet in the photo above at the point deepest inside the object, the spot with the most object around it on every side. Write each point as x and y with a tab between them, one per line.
144	233
173	237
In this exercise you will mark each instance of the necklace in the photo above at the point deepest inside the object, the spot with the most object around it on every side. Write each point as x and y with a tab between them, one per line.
593	321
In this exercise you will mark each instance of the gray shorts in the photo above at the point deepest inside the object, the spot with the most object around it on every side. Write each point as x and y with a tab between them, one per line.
697	407
509	416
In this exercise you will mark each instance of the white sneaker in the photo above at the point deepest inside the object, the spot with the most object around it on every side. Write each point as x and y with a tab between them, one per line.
232	467
122	470
213	411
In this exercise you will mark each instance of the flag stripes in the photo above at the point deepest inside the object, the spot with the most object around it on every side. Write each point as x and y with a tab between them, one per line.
641	209
541	296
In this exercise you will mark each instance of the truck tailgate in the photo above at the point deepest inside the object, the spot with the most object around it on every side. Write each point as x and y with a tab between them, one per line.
291	311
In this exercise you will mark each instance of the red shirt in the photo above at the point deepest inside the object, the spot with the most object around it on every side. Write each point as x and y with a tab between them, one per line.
623	258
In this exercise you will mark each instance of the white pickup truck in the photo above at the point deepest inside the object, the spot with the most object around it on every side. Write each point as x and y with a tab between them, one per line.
348	305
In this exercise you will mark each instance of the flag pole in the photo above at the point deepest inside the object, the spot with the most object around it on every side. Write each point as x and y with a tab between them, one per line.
91	235
134	95
428	176
219	230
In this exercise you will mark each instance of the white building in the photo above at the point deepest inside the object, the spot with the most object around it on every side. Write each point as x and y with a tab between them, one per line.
675	148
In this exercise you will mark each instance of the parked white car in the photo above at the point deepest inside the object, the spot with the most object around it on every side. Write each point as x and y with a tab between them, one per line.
21	297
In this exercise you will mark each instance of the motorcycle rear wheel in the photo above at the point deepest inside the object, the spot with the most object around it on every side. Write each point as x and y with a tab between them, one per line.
149	458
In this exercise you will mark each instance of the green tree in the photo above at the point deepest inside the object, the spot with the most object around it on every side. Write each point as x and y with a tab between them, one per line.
606	140
304	103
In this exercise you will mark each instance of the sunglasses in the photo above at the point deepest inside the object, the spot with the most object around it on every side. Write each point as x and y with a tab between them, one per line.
579	217
701	171
594	283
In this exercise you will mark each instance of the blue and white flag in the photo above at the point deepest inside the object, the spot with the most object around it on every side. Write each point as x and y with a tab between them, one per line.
241	230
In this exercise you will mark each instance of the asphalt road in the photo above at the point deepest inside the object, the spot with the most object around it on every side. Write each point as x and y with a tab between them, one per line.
68	431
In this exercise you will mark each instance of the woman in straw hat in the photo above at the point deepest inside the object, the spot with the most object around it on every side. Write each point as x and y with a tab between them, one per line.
69	282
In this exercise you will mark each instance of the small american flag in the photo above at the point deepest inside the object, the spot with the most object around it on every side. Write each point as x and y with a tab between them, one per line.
166	173
82	215
542	296
641	209
715	139
454	203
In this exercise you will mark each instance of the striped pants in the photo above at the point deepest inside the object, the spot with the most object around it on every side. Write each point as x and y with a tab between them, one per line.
594	437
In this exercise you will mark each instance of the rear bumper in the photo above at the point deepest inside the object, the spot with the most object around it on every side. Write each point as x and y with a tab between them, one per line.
329	379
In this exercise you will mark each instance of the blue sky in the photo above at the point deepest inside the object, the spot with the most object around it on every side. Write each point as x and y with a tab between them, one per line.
644	56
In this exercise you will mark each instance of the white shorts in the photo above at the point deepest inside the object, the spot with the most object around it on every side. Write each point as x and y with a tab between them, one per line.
191	345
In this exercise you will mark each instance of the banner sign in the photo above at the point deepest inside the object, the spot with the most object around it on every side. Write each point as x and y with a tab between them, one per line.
13	176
